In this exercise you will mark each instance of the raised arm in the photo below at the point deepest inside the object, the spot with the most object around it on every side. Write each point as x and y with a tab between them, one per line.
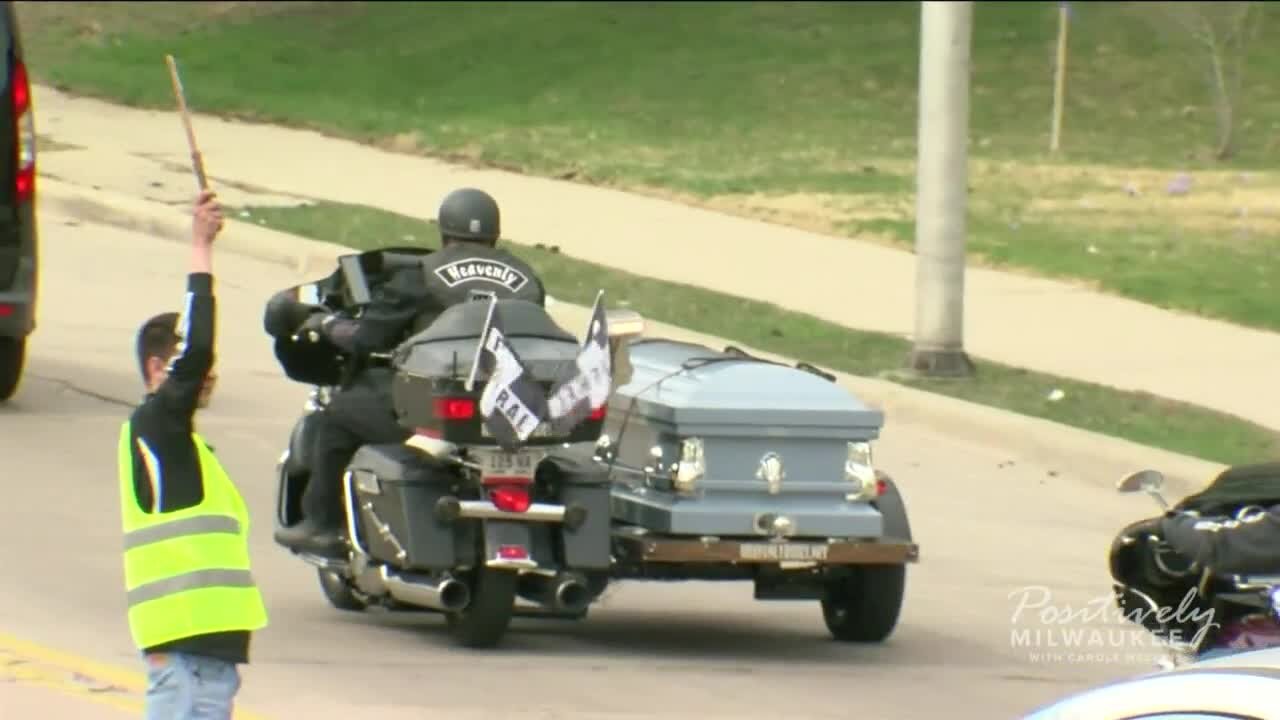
190	366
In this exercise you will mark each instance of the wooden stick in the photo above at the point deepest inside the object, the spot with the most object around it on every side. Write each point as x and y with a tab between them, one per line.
1060	77
197	161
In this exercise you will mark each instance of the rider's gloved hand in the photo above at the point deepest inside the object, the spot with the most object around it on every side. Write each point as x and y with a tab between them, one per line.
313	327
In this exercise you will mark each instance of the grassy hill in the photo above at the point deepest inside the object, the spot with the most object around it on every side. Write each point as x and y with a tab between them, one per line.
800	113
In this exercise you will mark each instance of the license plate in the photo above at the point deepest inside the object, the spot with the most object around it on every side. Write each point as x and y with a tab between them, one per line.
500	463
783	552
542	431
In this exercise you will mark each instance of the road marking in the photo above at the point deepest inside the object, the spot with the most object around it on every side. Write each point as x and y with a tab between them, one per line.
26	662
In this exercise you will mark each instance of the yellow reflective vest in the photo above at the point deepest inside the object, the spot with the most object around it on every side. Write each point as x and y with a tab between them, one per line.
187	572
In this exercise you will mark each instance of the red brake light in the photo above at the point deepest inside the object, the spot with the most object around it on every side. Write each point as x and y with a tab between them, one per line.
21	89
6	310
24	127
599	413
880	487
513	552
511	498
454	408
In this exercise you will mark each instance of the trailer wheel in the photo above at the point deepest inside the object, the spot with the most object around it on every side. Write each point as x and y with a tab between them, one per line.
864	605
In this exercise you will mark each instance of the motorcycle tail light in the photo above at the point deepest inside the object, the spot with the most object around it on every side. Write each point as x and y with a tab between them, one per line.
599	413
447	408
510	497
513	552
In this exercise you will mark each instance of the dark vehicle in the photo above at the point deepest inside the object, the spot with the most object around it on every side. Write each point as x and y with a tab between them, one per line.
449	521
18	256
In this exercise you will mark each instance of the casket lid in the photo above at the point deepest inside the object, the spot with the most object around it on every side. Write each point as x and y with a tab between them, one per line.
692	385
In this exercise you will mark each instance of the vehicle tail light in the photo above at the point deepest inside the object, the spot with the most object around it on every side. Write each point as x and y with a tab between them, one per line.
25	127
599	413
450	409
509	494
513	552
880	487
6	310
511	498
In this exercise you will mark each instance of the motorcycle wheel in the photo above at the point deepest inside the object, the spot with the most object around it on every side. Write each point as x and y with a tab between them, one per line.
339	592
483	622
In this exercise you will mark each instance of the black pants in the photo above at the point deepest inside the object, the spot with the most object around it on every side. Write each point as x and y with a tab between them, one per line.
361	414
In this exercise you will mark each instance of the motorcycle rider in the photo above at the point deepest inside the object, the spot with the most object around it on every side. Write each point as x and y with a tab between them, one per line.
1228	545
1249	545
362	413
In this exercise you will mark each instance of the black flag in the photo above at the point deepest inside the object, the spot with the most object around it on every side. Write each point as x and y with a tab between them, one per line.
586	383
512	405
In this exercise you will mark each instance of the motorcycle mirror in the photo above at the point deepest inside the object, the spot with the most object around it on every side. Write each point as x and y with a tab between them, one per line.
1141	481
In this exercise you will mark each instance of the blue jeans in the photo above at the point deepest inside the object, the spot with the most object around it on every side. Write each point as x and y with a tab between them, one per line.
190	687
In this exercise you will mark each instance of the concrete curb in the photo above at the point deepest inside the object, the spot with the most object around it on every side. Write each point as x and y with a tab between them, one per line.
1050	443
303	255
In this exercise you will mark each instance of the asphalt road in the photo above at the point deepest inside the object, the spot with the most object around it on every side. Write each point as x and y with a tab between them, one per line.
988	524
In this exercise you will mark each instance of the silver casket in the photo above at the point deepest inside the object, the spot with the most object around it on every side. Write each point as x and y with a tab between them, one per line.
710	443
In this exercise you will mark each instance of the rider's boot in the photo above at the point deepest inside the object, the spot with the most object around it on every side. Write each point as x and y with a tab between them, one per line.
320	532
311	536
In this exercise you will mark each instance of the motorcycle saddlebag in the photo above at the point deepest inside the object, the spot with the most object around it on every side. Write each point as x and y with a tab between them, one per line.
396	488
576	481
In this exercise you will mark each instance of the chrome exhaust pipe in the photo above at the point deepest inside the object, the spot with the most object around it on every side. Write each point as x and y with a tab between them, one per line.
572	595
560	592
449	594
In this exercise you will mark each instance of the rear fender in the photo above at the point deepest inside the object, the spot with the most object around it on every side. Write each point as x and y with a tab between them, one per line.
509	545
893	510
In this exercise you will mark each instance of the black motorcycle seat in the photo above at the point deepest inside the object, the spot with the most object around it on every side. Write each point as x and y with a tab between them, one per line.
465	321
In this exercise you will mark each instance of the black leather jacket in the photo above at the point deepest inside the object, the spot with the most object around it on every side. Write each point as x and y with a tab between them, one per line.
1225	544
413	297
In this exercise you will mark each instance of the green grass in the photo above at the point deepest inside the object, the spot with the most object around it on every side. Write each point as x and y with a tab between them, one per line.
1139	417
735	103
1233	276
787	96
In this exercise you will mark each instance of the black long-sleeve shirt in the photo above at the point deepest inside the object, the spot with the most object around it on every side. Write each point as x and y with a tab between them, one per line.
166	466
1225	544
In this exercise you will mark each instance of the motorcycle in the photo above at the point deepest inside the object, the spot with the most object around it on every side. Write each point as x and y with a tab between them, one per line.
1194	610
450	521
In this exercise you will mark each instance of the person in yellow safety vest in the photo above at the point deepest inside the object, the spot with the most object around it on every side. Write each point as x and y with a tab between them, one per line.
192	600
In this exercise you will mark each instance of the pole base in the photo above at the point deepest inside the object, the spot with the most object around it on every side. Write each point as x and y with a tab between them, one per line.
940	363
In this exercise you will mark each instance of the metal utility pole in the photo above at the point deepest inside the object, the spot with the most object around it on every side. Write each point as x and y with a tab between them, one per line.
942	186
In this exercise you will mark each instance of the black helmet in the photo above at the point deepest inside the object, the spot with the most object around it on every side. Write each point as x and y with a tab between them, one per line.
469	214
